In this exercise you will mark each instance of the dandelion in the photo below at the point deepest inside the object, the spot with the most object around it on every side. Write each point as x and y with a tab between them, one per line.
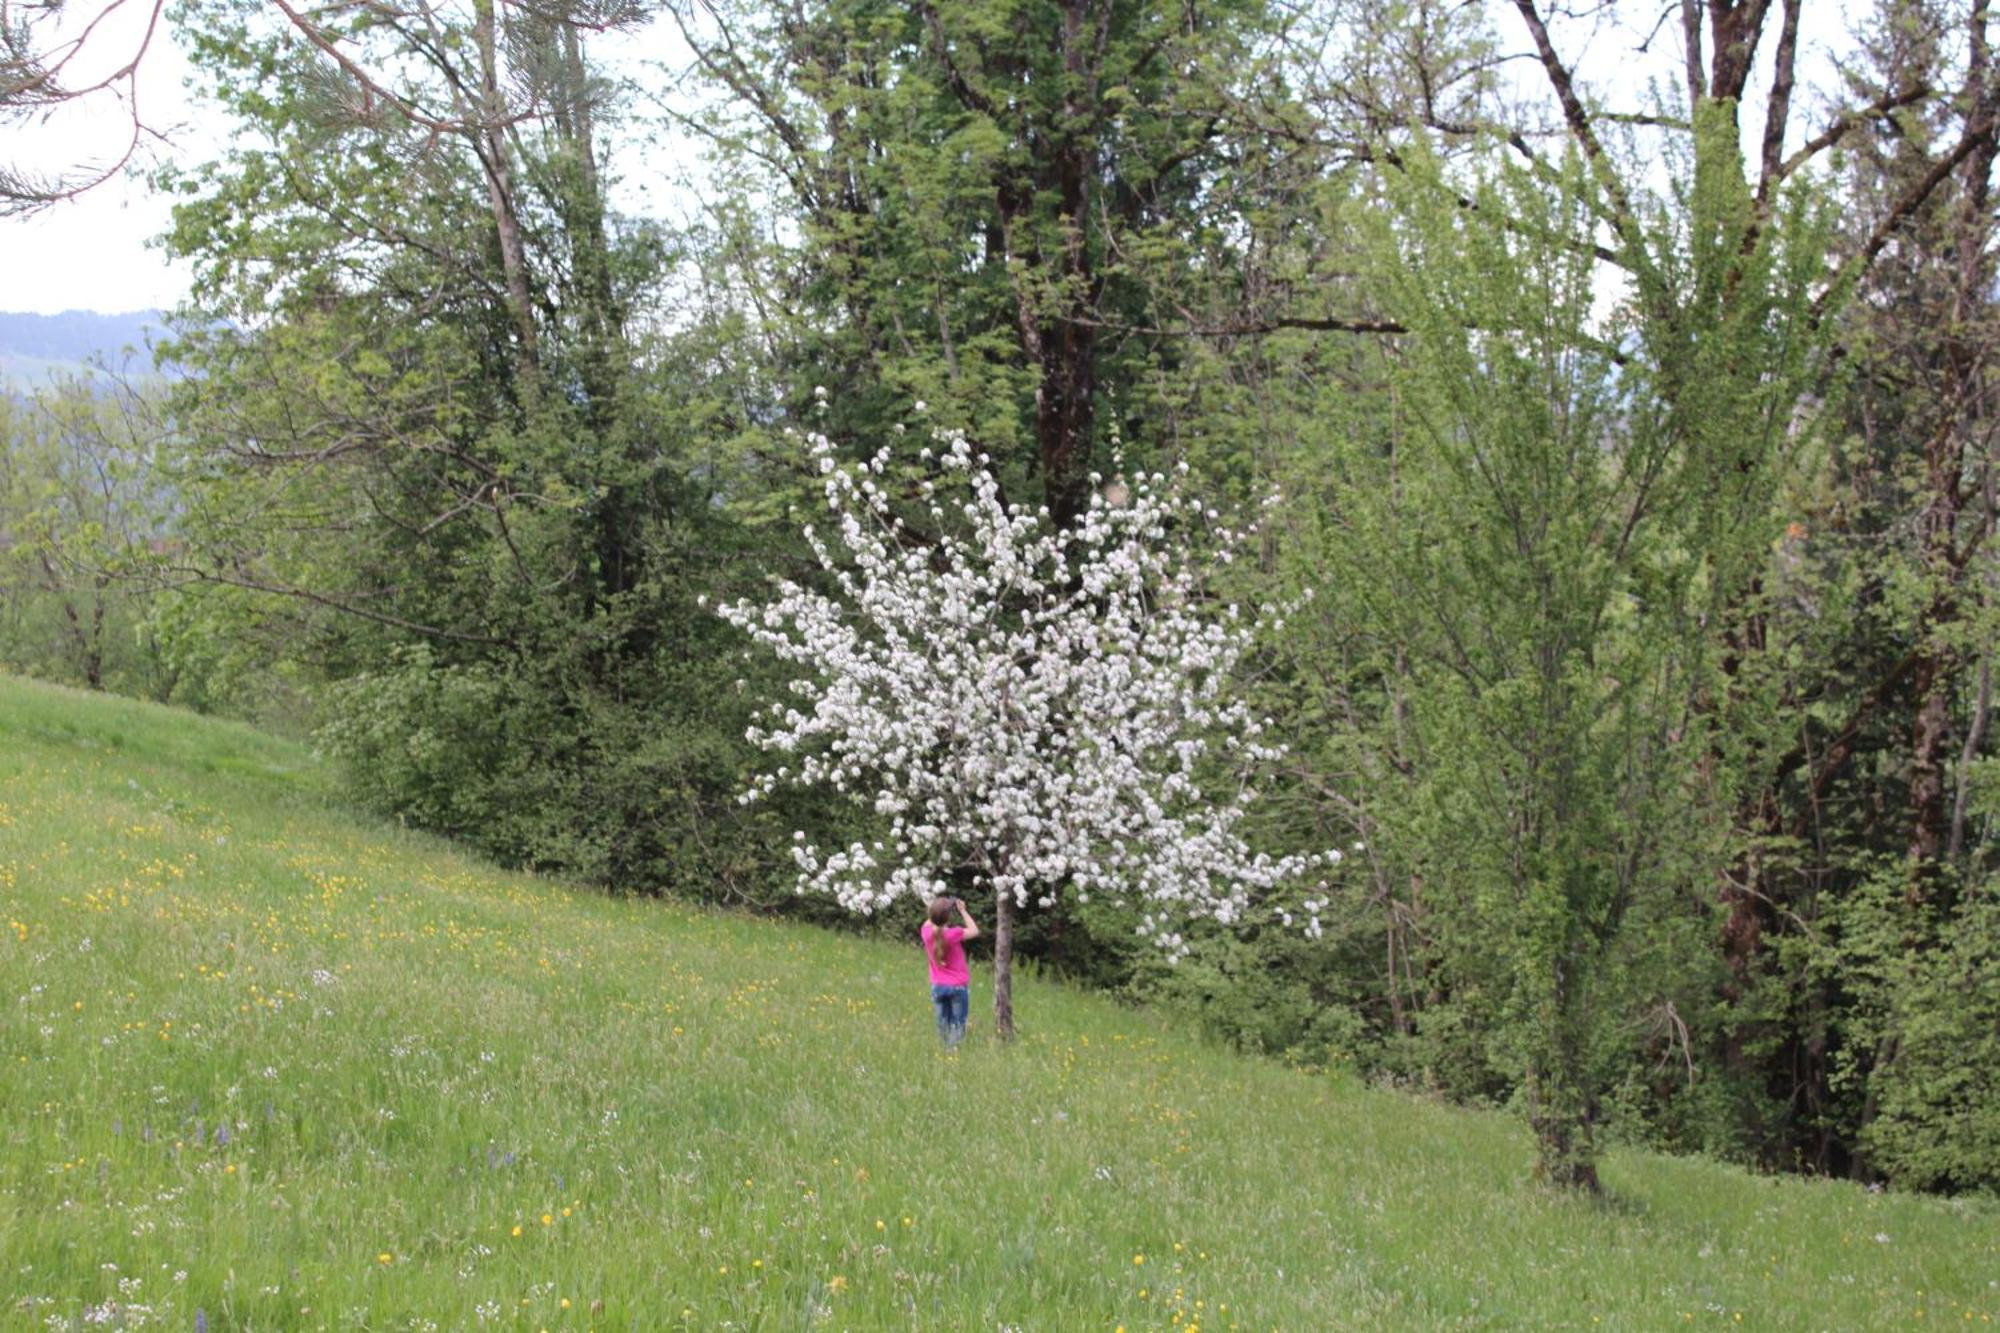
385	1258
1138	1261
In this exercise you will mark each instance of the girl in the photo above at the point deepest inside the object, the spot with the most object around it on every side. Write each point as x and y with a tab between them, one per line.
944	948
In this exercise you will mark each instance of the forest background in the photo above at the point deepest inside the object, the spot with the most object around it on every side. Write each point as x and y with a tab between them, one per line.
1633	438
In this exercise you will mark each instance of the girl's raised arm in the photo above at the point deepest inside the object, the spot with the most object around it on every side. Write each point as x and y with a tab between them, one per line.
971	926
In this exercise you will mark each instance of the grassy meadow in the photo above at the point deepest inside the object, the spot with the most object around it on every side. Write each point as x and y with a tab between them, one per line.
271	1066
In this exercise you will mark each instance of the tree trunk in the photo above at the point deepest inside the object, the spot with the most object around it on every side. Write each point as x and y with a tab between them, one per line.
1931	754
1566	1152
1734	29
1975	737
1561	1109
1066	398
1003	966
1058	285
93	657
1965	354
89	648
490	143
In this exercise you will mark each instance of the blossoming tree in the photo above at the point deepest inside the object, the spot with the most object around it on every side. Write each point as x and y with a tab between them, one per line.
1036	707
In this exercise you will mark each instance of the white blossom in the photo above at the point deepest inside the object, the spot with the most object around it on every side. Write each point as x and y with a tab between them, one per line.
1037	706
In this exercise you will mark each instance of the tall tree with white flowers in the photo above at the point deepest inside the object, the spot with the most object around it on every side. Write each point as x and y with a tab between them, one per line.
1044	709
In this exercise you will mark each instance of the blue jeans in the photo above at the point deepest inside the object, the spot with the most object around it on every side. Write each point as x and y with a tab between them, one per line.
952	1004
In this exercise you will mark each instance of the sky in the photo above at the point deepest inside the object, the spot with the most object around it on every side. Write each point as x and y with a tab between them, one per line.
93	254
99	252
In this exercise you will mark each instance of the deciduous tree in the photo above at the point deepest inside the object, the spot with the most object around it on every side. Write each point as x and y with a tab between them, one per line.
1049	709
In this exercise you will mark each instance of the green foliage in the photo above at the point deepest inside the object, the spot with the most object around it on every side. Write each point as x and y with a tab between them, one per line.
636	794
1529	548
1937	1092
1272	991
983	205
434	745
82	518
476	528
1914	1038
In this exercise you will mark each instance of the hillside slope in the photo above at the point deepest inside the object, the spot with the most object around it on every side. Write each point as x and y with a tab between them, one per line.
287	1069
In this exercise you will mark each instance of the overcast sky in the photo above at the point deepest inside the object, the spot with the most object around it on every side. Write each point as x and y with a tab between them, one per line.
93	254
98	253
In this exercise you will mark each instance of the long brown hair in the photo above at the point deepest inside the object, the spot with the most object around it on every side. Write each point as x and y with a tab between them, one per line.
940	914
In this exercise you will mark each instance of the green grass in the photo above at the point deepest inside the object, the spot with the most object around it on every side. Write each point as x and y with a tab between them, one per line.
459	1098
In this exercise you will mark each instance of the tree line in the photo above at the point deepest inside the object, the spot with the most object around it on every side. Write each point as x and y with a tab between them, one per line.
1634	447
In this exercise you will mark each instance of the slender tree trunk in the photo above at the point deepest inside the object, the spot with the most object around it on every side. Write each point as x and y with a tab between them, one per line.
1560	1105
1697	80
1965	354
1931	749
93	660
1003	966
602	320
89	652
491	145
1566	1153
1975	737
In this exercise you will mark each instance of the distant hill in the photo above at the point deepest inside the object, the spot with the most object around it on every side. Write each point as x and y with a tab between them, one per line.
34	348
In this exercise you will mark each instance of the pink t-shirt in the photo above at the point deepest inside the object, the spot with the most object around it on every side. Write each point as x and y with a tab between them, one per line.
954	971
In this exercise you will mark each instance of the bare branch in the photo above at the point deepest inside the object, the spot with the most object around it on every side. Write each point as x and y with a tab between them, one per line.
1839	127
1578	118
1779	112
1978	133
